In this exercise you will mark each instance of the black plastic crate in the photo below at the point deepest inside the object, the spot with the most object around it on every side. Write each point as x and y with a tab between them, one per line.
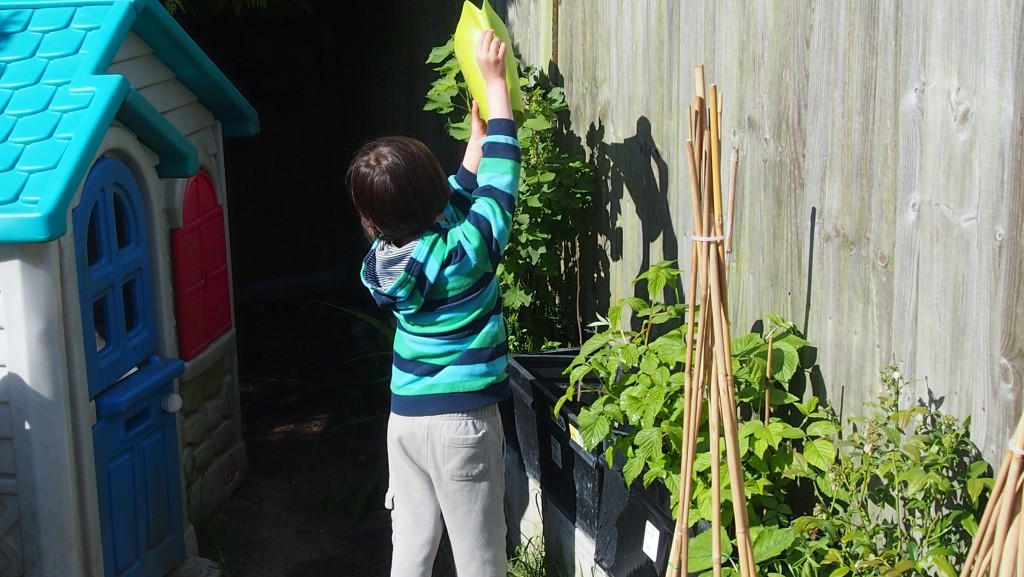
569	475
635	528
521	436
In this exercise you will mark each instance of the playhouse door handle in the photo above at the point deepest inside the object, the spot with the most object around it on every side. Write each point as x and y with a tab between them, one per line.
171	403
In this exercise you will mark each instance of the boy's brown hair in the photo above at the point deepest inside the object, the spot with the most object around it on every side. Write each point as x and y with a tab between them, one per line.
398	188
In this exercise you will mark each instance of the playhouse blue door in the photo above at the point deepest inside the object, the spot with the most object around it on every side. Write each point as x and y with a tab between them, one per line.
134	438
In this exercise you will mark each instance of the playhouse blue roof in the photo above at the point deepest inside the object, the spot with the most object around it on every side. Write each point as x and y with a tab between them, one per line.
57	101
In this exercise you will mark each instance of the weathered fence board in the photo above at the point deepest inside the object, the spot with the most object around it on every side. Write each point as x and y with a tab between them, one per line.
879	200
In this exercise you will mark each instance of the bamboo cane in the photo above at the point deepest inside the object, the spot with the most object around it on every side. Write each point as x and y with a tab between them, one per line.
1020	540
714	400
768	382
734	164
1008	562
988	547
719	296
730	425
1006	509
716	169
682	519
983	538
679	543
719	115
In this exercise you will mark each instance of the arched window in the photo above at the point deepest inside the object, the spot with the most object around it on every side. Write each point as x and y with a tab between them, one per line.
199	253
113	274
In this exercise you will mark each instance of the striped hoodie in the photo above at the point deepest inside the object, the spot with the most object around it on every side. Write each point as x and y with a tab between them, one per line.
451	344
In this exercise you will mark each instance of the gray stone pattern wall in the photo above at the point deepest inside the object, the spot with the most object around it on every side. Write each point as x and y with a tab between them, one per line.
212	457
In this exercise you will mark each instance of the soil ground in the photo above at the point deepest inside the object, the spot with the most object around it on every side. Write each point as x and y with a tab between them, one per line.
314	411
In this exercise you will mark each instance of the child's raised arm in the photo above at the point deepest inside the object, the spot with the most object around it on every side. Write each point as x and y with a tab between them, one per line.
474	148
490	55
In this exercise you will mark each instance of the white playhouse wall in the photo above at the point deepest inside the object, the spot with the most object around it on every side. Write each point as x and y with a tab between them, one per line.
46	512
212	451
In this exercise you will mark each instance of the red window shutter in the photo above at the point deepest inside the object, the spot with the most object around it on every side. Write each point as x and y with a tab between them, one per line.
199	255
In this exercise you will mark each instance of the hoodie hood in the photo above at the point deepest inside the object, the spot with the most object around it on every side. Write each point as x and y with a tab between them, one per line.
391	273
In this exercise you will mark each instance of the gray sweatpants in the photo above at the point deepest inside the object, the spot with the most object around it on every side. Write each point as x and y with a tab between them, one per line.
447	471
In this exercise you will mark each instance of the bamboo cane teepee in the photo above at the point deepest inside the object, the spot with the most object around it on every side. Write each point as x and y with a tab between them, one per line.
998	547
709	360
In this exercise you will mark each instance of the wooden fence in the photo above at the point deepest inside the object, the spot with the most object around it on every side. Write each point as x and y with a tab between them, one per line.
880	193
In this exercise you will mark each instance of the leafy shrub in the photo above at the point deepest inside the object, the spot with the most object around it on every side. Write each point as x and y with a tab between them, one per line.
904	495
633	384
537	273
900	494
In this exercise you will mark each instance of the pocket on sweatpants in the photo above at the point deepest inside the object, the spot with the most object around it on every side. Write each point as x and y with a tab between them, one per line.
465	457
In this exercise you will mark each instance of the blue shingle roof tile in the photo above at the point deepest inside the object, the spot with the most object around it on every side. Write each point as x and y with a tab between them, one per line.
89	17
56	102
60	71
65	100
6	127
52	19
66	42
19	46
22	74
15	21
34	128
9	155
41	156
30	100
69	124
11	184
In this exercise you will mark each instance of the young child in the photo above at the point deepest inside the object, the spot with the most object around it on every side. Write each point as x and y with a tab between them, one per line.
437	246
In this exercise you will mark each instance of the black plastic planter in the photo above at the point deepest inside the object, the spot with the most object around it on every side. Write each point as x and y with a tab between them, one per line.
635	530
569	475
522	435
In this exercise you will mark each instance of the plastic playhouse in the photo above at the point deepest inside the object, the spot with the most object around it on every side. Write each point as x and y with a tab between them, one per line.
119	412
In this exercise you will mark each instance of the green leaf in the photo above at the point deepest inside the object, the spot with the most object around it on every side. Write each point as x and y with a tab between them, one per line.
746	345
770	542
943	567
578	372
537	123
822	429
594	428
441	53
787	431
749	428
514	297
594	343
632	469
975	487
899	568
915	478
808	408
699	557
648	444
820	453
785	361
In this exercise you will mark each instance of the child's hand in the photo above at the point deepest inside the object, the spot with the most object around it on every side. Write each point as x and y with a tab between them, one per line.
490	55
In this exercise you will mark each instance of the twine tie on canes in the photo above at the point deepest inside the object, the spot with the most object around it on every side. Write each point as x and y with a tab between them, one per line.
1014	448
707	238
